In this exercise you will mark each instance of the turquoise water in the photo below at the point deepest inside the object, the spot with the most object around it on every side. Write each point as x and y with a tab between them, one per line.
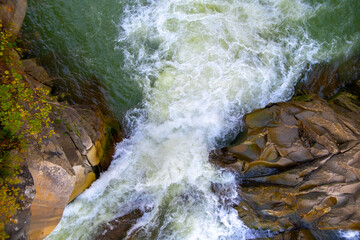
183	73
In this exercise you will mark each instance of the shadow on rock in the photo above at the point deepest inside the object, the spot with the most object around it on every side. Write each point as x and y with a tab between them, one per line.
299	167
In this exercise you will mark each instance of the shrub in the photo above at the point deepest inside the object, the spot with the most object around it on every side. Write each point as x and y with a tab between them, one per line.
24	115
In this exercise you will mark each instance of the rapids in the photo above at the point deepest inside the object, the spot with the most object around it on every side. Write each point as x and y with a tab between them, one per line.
200	65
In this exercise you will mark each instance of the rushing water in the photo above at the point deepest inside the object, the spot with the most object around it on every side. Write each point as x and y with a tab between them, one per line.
199	65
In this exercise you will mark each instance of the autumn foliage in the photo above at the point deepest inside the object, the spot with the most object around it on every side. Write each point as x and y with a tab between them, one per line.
24	116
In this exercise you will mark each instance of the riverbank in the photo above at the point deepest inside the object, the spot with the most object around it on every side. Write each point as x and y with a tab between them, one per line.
77	145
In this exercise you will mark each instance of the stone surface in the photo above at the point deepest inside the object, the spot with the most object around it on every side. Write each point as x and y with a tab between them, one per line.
58	169
19	229
65	164
299	166
117	228
53	186
13	12
35	72
71	170
302	234
326	79
84	178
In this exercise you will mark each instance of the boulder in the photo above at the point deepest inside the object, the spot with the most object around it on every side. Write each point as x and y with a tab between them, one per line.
84	178
53	186
63	166
13	12
299	166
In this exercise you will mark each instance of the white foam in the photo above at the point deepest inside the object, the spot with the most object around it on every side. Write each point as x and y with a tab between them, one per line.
350	235
212	62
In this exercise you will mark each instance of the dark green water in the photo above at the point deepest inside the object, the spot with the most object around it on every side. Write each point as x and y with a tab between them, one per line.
77	42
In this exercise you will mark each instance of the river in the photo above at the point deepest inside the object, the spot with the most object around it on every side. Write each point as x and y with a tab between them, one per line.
181	74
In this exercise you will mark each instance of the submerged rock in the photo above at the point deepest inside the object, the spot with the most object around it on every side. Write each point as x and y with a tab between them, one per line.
117	228
299	166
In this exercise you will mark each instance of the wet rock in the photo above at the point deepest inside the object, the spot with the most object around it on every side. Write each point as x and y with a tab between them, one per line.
302	234
299	167
117	228
92	134
326	79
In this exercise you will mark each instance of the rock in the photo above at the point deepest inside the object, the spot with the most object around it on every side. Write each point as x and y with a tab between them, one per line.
84	178
13	11
299	166
54	180
302	234
65	164
117	228
35	72
20	228
53	186
92	134
326	79
104	132
93	157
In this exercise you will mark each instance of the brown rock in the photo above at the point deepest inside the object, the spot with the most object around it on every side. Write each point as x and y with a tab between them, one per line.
59	170
63	167
13	11
53	186
35	72
117	228
326	79
299	166
84	178
93	156
302	234
65	164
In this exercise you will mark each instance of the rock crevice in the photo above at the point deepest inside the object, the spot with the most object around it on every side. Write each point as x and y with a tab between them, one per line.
299	167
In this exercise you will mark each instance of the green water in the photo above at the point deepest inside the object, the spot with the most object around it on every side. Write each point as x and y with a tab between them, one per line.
77	42
335	24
